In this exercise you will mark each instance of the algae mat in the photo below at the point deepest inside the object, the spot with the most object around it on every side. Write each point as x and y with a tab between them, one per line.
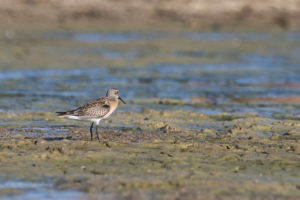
157	160
210	115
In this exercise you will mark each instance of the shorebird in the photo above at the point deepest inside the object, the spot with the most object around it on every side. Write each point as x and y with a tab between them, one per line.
95	111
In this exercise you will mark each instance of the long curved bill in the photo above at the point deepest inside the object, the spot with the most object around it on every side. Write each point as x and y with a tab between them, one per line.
122	100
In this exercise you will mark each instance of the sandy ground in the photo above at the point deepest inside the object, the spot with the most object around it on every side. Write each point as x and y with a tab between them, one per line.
191	13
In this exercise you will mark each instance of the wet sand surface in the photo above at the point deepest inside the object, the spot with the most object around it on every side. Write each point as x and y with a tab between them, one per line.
196	14
211	115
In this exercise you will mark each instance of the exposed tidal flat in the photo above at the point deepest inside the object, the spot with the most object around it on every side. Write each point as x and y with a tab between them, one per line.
211	115
241	156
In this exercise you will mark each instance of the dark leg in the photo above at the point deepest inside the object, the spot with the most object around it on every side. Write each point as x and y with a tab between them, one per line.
91	131
97	133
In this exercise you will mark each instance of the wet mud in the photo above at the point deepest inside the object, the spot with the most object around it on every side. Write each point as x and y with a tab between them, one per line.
237	157
210	115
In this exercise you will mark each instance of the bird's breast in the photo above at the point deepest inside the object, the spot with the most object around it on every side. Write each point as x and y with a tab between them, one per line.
112	107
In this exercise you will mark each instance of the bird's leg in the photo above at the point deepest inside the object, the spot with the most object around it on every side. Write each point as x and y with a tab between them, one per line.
97	133
91	131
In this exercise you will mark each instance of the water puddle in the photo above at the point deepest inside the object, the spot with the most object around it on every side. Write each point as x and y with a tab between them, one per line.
16	189
91	37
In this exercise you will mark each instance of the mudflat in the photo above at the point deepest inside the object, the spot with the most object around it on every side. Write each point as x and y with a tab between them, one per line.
209	114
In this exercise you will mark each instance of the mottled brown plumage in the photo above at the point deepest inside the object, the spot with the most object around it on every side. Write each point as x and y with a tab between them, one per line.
95	110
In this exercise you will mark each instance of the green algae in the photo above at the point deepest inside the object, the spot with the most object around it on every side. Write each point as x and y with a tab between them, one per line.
150	153
159	159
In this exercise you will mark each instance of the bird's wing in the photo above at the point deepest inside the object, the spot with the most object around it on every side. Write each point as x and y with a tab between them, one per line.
97	108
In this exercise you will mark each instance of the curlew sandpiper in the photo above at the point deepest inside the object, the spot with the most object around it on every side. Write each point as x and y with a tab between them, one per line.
95	111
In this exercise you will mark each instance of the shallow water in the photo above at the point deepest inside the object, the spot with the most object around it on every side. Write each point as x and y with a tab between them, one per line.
17	189
186	92
240	65
245	71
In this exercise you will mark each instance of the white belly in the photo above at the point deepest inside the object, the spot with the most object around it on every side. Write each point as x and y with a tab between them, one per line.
84	118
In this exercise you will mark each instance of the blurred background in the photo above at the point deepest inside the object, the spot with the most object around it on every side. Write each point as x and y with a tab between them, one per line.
189	67
59	54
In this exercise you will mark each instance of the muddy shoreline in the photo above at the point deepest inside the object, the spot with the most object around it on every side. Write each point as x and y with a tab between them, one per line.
159	160
210	114
136	14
